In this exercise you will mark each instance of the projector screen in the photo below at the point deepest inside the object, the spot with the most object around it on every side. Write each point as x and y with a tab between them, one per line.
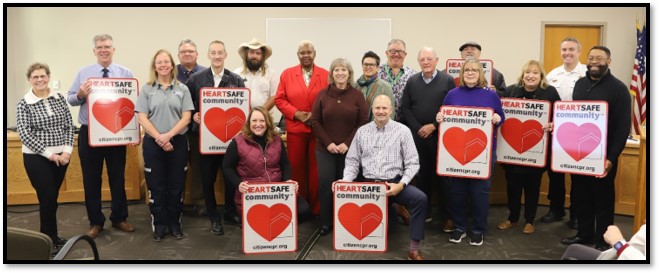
332	38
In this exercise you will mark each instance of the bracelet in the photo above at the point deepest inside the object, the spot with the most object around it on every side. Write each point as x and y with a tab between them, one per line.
622	249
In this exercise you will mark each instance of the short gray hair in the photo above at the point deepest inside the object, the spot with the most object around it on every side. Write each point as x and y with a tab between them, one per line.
397	41
341	62
102	37
187	41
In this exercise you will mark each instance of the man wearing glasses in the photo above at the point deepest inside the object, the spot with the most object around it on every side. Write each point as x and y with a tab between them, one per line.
187	56
395	72
595	196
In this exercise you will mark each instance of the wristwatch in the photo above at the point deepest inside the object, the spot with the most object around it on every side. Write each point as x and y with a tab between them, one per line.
619	244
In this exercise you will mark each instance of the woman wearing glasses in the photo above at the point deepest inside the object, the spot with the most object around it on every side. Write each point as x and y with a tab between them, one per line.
369	83
472	91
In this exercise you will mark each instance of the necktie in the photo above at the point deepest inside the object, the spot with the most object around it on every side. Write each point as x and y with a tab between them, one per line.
105	72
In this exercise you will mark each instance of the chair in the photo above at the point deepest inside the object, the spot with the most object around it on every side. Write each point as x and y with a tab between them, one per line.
23	244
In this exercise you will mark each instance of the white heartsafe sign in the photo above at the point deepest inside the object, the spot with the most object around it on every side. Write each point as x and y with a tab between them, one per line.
360	216
270	218
522	141
223	112
111	108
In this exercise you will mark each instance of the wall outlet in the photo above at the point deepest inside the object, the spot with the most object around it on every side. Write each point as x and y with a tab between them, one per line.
56	85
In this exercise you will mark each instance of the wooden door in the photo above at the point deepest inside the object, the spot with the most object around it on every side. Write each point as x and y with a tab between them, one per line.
588	36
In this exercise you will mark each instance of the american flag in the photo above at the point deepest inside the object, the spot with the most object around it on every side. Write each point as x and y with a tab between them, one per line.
638	79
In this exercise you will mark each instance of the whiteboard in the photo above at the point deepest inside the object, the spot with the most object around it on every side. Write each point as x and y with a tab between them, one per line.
332	38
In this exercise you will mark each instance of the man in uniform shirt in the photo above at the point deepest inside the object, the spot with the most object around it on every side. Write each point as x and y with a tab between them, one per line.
563	78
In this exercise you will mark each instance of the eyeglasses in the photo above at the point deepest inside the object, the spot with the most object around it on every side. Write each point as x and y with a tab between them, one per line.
186	52
103	47
396	51
599	59
469	70
367	65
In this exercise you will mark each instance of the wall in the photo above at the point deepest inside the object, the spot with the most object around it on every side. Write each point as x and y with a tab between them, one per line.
62	36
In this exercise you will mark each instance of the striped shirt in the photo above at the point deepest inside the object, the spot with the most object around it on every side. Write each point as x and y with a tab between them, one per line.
383	153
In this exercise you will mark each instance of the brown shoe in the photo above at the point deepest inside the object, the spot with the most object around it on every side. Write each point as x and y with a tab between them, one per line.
415	256
94	230
528	228
403	213
506	225
124	226
448	226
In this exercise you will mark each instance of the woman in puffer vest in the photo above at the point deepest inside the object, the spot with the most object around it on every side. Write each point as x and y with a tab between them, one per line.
257	154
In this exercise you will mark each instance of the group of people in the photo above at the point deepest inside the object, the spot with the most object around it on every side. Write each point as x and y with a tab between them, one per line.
380	126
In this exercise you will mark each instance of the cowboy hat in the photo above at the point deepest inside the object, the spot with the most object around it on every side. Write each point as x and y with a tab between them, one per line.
254	44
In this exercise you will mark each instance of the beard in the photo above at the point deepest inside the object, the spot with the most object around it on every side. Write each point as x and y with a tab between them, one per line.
602	68
254	65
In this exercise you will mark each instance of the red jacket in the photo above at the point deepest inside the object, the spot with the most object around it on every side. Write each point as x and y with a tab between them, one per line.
293	95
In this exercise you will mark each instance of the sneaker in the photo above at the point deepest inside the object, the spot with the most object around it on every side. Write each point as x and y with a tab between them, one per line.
429	219
456	236
476	239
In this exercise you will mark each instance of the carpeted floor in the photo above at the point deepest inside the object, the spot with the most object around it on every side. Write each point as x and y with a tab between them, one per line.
508	246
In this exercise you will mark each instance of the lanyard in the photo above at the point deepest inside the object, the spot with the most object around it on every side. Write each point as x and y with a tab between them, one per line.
392	80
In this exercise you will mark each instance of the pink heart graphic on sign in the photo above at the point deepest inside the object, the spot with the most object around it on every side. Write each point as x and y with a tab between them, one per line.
269	222
224	125
114	115
360	221
522	136
578	141
464	146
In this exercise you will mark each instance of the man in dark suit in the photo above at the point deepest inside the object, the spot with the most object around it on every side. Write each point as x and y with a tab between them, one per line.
214	76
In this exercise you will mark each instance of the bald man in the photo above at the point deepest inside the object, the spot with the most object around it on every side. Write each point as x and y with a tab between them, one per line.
385	151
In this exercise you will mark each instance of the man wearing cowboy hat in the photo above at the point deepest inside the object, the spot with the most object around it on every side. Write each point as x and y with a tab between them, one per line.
261	80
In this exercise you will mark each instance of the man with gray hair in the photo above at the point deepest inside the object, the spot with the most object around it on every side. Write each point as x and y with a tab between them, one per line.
187	56
423	95
395	72
472	50
92	158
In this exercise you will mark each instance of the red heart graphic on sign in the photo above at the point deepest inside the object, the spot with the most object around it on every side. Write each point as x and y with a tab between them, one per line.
360	221
113	114
522	136
578	141
224	124
269	222
464	146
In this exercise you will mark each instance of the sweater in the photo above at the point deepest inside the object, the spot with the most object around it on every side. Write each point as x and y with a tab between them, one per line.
421	100
336	115
616	94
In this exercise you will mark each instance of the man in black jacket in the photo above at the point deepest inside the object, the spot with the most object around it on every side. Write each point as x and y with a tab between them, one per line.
596	195
214	76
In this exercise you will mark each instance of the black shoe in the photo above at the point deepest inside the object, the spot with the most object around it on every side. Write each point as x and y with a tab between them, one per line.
324	230
576	240
177	234
231	219
552	217
59	242
158	236
217	228
573	224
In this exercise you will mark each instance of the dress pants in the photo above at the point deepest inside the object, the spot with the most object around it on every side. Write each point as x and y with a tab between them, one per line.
91	162
46	179
196	188
595	204
302	156
427	178
165	174
209	165
529	183
417	204
330	169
